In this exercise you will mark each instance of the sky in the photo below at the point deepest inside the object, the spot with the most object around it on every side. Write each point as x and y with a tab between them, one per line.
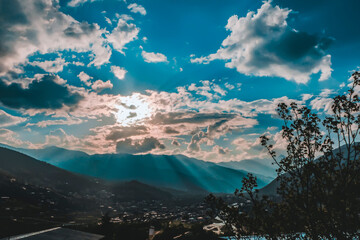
199	78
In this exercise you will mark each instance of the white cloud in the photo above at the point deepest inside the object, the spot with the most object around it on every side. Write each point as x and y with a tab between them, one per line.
66	121
53	66
60	138
122	34
229	86
40	27
151	57
208	89
306	96
9	120
326	92
135	8
76	3
322	103
262	44
108	20
84	78
100	85
118	72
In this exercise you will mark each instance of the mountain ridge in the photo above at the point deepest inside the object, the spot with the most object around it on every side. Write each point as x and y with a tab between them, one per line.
165	171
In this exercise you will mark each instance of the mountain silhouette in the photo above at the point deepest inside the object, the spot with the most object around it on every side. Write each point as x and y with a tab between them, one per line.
18	170
167	171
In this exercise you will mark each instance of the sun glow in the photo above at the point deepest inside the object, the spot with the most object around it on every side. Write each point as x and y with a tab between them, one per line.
133	109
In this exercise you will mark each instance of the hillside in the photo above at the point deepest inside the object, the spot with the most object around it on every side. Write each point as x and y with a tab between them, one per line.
17	169
35	195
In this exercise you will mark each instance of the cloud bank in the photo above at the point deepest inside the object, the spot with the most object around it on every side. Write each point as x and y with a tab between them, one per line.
263	44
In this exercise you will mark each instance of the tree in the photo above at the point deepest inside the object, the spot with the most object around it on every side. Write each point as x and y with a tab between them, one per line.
318	194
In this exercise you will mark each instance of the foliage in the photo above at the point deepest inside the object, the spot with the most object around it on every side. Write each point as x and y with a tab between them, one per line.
318	181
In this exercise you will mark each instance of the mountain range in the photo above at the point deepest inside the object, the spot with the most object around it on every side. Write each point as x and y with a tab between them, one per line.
17	169
164	171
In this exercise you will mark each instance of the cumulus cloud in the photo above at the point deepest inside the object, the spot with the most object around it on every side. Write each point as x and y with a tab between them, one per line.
220	150
242	144
196	141
263	44
97	86
8	120
326	92
118	72
44	93
38	26
12	138
208	89
229	86
29	27
122	34
84	78
151	57
135	8
52	66
194	121
219	128
320	103
60	138
138	146
214	121
126	132
100	85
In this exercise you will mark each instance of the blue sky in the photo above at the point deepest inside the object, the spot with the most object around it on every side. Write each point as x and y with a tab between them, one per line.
200	78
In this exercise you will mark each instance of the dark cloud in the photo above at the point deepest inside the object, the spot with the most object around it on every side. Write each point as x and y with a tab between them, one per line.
77	31
45	93
196	140
220	150
214	131
301	50
125	132
336	17
170	130
31	26
217	128
132	115
131	107
132	147
11	15
176	118
175	142
280	50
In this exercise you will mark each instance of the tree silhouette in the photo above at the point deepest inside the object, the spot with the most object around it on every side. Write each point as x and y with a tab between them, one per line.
318	194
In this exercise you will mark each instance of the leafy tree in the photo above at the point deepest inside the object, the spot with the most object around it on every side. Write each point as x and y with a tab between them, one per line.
318	194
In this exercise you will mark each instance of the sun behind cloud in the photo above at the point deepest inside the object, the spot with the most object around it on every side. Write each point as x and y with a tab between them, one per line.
133	110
